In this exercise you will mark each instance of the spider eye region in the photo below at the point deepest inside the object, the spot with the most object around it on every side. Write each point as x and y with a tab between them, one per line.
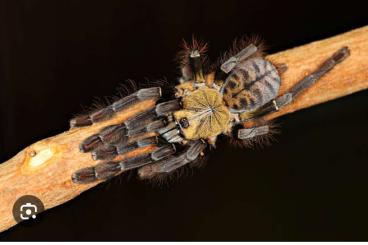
184	123
204	114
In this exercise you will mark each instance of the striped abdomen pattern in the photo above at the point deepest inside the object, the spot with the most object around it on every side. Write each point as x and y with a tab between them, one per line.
251	84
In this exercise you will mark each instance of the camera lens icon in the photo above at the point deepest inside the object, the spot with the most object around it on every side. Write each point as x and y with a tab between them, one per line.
26	208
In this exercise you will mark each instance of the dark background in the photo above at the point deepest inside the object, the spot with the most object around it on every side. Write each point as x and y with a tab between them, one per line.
311	184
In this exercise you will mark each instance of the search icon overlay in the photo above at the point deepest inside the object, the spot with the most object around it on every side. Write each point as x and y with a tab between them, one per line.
27	207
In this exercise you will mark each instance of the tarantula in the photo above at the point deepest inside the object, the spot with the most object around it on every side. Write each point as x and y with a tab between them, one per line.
208	102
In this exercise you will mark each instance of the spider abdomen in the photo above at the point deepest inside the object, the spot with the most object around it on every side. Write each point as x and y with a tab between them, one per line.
251	84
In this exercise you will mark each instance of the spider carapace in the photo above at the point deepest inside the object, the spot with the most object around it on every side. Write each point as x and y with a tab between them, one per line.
207	102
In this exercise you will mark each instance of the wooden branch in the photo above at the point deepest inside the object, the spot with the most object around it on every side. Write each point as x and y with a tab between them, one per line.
346	78
44	169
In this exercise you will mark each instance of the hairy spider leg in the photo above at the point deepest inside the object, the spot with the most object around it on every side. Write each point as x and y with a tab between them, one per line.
233	61
193	69
122	104
173	162
292	93
195	61
148	121
114	142
106	170
230	64
248	133
304	84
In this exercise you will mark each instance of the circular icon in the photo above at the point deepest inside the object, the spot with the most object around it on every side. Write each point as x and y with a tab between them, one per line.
27	207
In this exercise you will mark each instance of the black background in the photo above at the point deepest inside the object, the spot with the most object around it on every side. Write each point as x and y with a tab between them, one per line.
57	56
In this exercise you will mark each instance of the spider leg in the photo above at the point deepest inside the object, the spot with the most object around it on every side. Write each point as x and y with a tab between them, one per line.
149	121
109	111
273	105
195	62
247	133
172	163
303	84
193	67
330	63
171	133
111	151
222	73
106	170
229	65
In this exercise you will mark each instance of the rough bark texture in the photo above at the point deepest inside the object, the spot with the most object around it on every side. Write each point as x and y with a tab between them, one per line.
44	169
346	78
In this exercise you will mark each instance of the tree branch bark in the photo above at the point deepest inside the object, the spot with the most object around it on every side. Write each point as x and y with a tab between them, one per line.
44	168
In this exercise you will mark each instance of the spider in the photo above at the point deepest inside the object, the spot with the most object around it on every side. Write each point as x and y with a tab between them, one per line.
229	98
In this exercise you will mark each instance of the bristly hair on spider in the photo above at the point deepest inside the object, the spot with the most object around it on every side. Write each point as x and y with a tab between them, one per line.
123	90
190	50
187	48
240	44
257	142
229	99
166	179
